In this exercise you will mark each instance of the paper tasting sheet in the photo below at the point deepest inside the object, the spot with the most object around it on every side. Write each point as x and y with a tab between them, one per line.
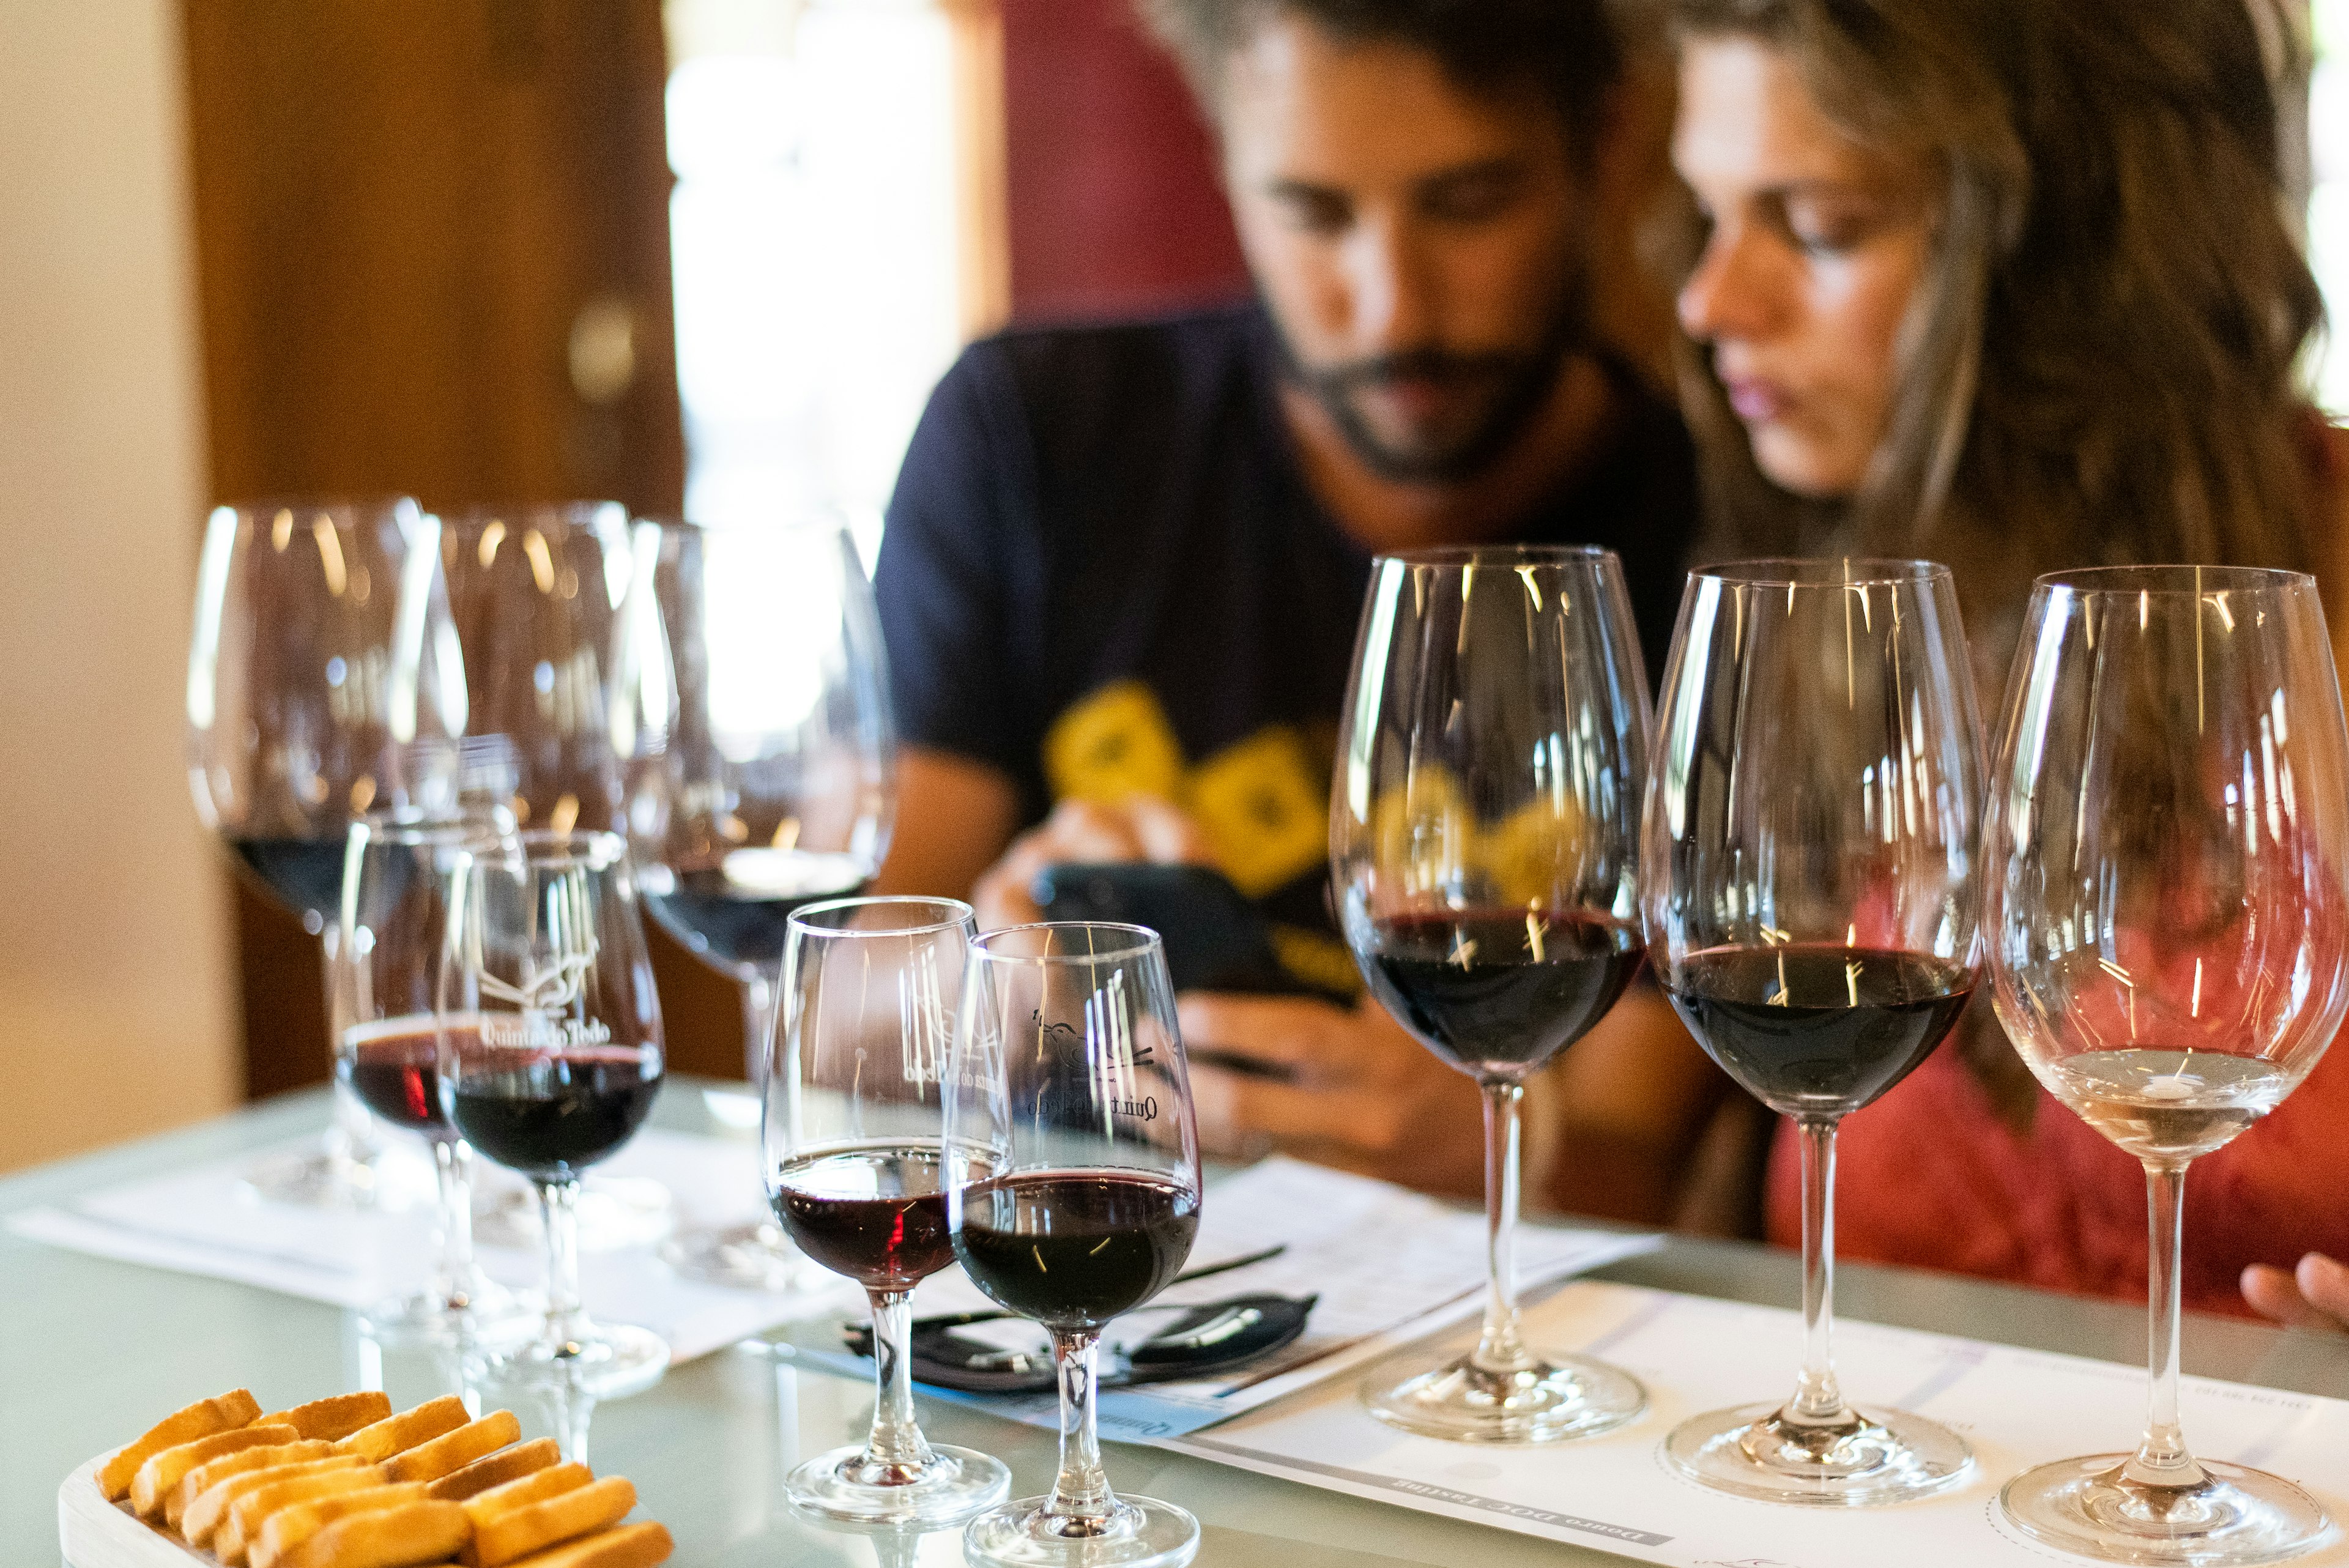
2016	1407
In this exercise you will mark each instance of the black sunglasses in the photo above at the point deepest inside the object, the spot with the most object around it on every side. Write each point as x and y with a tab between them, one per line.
1197	1340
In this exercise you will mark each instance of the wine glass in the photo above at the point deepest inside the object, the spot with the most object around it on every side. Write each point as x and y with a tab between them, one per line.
1073	1196
856	1168
2166	830
1483	846
292	722
535	600
762	778
550	1058
396	877
1810	890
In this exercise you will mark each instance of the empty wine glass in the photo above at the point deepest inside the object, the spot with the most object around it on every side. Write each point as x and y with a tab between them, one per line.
293	718
762	778
1484	850
856	1168
1810	884
550	1058
1073	1196
397	874
2168	837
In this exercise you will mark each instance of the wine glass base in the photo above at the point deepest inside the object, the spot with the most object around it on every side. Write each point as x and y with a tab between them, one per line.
1142	1534
486	1315
1559	1397
607	1361
616	1213
2238	1515
841	1486
323	1177
748	1257
1881	1457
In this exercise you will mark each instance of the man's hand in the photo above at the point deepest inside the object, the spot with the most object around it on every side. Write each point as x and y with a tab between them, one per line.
1084	832
1341	1087
2314	1295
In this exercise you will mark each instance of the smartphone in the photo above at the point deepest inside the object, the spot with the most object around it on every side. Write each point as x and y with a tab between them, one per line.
1216	940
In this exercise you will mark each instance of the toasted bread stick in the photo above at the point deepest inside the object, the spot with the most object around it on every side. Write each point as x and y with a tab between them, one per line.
244	1461
208	1509
505	1465
523	1531
233	1540
161	1475
455	1450
402	1537
202	1419
337	1415
285	1531
629	1546
398	1434
499	1501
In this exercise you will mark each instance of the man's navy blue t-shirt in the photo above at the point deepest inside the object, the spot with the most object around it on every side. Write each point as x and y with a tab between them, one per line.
1103	573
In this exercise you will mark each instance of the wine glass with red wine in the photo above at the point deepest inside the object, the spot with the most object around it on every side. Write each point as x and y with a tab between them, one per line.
2167	905
1811	893
292	682
549	1060
761	777
1073	1196
398	870
856	1169
1483	846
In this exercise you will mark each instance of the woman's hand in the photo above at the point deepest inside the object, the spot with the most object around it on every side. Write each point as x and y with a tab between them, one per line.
2314	1295
1082	832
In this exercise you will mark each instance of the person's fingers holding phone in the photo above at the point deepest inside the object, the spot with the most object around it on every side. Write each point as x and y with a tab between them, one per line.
1345	1087
1087	832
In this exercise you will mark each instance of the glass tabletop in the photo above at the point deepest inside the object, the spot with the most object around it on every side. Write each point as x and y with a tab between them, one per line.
92	1351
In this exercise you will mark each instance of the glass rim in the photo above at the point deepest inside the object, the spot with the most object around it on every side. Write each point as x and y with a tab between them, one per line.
1148	941
476	515
2159	580
598	848
800	921
1496	554
1823	572
269	506
815	521
422	824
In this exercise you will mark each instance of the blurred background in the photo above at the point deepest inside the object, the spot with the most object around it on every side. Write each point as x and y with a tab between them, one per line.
706	256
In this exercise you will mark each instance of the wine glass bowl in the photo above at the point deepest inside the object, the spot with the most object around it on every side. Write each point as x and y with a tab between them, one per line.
1811	906
856	1170
1073	1196
2169	822
549	1059
1484	853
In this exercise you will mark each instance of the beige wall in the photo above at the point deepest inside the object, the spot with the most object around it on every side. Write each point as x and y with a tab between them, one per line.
116	1004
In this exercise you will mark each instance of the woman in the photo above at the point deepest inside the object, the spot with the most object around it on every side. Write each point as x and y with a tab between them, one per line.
2005	283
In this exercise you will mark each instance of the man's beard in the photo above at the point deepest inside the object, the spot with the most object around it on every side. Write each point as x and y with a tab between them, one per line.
1516	384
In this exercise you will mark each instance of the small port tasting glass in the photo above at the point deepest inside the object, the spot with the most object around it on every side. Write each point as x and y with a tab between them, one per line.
2167	838
1073	1196
1484	853
398	870
1809	878
760	777
856	1167
550	1060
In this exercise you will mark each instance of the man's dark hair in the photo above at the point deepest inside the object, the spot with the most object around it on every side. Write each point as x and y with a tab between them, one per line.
1565	51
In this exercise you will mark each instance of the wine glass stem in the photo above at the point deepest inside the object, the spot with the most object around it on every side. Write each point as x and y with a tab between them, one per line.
757	1027
1817	1400
2161	1457
558	1210
1499	1348
1080	1491
896	1440
351	1136
452	1161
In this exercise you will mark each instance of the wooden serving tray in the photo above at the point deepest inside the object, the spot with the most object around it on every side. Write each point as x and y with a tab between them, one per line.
95	1534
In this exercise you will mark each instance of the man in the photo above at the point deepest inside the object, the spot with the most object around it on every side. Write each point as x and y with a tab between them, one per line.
1124	564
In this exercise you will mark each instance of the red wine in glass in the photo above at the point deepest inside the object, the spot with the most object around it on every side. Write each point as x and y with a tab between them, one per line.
394	1070
305	874
1499	992
737	927
549	1115
876	1215
1811	1029
1074	1249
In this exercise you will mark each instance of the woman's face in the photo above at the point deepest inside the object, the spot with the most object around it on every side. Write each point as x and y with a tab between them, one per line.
1815	247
